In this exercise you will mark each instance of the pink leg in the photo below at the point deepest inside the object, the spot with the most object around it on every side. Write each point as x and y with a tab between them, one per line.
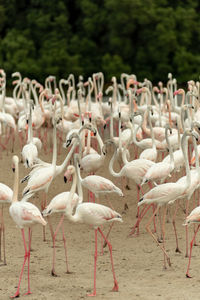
154	237
191	245
65	247
29	249
22	270
174	225
3	235
111	226
143	213
186	227
115	288
53	273
95	265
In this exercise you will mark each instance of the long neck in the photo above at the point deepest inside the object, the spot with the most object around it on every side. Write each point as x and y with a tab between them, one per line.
54	158
69	206
30	131
111	121
65	162
100	142
170	148
152	133
184	146
196	155
112	172
16	184
79	180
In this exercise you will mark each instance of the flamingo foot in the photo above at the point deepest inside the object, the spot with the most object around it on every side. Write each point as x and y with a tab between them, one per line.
125	206
28	293
186	255
187	275
169	262
53	273
178	250
127	187
16	295
116	287
68	272
92	295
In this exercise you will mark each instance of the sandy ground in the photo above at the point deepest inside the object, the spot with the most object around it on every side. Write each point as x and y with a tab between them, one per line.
138	261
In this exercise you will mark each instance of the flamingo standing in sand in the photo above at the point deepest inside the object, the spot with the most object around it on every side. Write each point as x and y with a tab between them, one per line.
58	205
168	193
5	198
95	215
24	214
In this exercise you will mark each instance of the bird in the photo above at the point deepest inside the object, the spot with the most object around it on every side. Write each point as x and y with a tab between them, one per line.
95	215
193	217
168	193
24	214
6	194
58	205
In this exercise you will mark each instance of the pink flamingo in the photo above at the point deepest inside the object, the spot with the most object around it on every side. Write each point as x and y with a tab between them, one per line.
95	215
168	193
194	217
24	214
6	195
58	205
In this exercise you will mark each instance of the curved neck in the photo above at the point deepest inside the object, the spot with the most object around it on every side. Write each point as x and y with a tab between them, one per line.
196	155
184	147
30	130
16	184
65	162
152	133
112	172
169	147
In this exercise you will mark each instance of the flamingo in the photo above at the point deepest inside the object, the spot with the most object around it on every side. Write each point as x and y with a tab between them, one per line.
58	205
5	198
23	214
95	215
29	151
161	169
168	193
194	217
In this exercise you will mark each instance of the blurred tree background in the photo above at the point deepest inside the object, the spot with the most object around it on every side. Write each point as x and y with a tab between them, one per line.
58	37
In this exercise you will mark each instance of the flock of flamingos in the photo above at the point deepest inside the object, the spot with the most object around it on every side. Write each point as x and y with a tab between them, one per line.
159	124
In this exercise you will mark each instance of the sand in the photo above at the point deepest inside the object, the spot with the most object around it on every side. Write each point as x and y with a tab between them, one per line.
138	260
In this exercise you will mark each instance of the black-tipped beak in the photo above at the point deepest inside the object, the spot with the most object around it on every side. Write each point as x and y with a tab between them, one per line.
26	121
95	133
104	126
90	120
82	123
13	169
68	142
65	179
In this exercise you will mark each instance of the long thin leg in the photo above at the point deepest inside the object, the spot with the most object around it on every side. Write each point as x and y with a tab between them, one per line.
191	245
0	232
53	273
29	253
143	212
116	287
65	247
95	265
174	225
22	270
154	237
4	238
163	233
186	228
111	226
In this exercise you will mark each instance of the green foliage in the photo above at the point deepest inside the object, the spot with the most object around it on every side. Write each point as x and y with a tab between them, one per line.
59	37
